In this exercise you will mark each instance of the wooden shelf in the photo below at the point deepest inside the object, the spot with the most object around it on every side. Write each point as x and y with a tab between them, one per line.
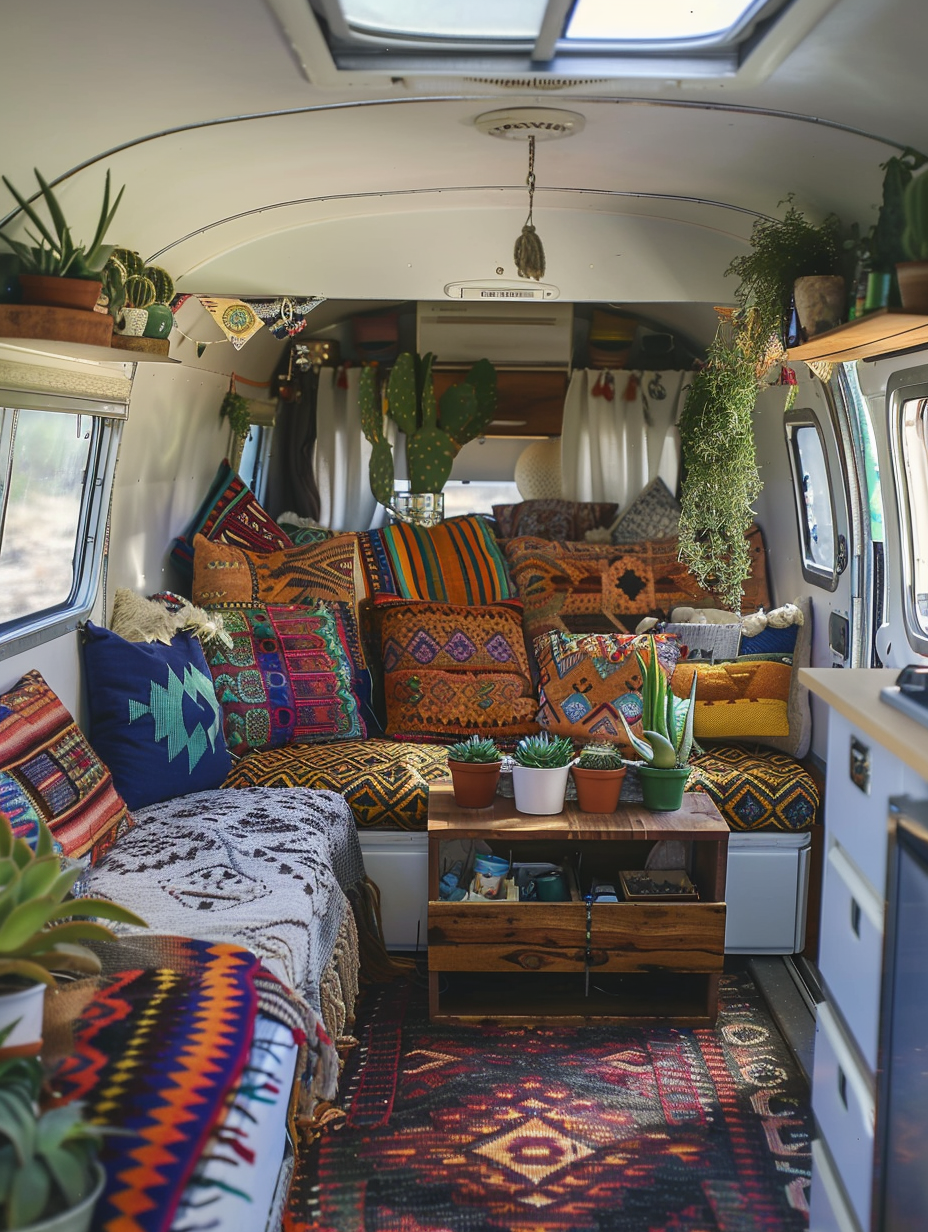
84	351
878	333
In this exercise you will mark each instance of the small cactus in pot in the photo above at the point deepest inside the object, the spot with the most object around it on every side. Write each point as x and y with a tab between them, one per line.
475	765
599	773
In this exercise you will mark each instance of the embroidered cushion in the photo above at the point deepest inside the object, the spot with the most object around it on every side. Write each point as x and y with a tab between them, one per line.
756	790
230	513
226	574
653	514
457	561
385	782
18	809
586	681
744	699
44	753
450	671
154	717
591	587
286	679
552	519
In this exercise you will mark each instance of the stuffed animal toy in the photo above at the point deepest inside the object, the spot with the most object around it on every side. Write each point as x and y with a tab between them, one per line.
778	618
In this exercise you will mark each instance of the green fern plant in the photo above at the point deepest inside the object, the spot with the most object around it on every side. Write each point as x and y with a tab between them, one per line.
40	928
235	408
667	720
475	749
544	752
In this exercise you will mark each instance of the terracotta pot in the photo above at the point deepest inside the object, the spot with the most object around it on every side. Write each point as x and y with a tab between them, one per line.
475	782
821	303
598	791
662	790
60	292
913	285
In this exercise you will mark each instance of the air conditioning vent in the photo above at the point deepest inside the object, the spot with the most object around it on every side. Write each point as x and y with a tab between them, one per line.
515	333
538	83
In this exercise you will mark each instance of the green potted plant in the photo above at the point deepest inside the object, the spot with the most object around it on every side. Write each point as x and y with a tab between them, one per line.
667	724
50	1178
54	270
41	930
434	432
913	272
539	775
785	254
138	295
598	773
475	765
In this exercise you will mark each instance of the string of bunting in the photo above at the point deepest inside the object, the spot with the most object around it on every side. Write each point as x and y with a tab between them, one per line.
240	320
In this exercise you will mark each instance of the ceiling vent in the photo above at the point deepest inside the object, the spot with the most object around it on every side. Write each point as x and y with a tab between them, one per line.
520	123
509	335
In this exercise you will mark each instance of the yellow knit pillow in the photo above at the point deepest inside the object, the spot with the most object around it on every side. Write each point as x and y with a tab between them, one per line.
739	700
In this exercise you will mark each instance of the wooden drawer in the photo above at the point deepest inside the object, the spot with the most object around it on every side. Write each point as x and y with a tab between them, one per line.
843	1104
627	937
857	817
851	949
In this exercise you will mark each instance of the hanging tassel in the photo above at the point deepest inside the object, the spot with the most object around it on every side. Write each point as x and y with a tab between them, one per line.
529	253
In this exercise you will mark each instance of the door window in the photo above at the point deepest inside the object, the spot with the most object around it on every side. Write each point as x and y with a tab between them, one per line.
814	501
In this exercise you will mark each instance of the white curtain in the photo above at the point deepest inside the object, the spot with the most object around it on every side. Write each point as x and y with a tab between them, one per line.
342	456
612	448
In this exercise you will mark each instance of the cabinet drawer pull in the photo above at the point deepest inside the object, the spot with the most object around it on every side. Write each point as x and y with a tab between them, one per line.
855	917
842	1086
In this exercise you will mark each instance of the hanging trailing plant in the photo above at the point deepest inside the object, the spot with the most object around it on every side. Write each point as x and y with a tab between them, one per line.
235	409
721	479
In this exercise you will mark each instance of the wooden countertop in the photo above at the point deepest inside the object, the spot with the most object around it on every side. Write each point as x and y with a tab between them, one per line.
855	693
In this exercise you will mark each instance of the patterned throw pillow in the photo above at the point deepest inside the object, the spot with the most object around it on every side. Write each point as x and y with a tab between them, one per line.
587	680
592	587
552	519
756	790
49	768
154	717
457	561
286	680
741	700
230	513
328	571
450	671
653	514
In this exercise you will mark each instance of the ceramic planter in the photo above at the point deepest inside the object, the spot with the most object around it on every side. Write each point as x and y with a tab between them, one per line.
821	302
662	790
475	782
80	293
539	791
78	1218
598	791
159	322
23	1006
131	321
913	285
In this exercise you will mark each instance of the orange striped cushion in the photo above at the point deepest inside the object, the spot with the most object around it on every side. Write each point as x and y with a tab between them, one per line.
329	571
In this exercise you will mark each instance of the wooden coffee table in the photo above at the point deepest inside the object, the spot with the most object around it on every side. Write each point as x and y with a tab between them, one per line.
573	962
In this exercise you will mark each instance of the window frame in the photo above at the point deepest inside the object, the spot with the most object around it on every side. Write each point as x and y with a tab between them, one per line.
904	387
826	579
26	632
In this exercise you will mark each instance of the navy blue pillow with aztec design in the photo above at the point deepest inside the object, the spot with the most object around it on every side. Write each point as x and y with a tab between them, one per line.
154	717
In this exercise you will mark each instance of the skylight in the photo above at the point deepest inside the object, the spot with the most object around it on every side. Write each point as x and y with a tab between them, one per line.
665	21
494	20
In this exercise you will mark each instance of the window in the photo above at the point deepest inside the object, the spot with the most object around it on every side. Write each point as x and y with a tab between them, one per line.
910	441
814	503
55	476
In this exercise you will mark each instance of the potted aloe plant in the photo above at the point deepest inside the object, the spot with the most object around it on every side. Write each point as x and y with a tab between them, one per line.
667	723
475	765
50	1178
539	775
41	930
598	773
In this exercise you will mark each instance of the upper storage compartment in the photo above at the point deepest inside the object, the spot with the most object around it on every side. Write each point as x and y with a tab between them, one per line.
509	335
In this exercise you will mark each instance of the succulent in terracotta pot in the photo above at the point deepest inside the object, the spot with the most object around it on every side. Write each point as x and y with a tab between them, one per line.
475	765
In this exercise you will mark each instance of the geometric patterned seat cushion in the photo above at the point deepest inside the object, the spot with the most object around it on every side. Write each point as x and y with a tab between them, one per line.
450	671
608	588
230	513
385	782
759	790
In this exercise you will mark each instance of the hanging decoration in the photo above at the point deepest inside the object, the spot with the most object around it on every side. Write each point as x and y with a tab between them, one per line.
235	408
285	317
234	317
529	254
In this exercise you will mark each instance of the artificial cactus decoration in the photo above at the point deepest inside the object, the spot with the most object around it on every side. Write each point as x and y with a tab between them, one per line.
429	449
130	261
162	282
915	206
140	291
381	462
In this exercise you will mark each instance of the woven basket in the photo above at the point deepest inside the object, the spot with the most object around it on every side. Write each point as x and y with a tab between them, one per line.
721	641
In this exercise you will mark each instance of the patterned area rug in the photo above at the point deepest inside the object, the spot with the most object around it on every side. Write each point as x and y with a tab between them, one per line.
561	1129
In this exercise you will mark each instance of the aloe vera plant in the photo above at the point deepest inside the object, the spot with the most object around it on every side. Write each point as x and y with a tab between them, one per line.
667	720
40	928
475	750
53	251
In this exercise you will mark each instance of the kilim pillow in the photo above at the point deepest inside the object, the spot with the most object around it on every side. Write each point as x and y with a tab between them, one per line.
327	571
756	790
592	587
450	671
230	513
457	561
653	514
586	681
18	809
743	699
43	751
286	679
552	519
154	716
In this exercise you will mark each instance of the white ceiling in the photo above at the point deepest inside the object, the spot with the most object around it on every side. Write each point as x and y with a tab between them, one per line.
377	193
